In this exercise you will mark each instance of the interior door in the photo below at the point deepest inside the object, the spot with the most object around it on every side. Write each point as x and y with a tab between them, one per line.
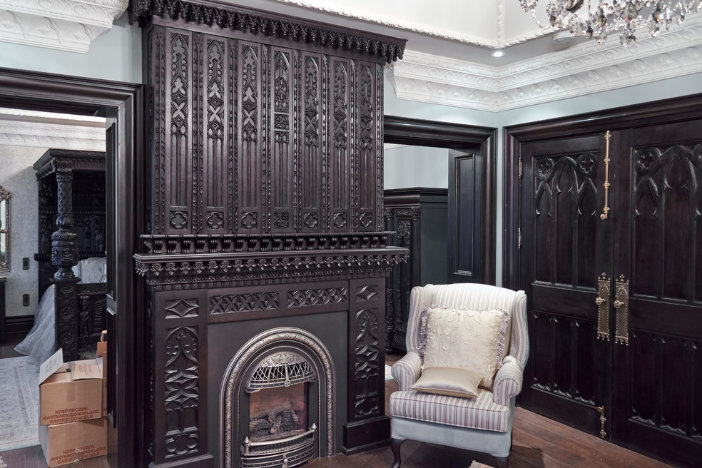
565	251
465	216
657	383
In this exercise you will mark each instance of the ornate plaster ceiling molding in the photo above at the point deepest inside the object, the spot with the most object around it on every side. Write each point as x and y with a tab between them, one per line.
501	37
69	25
43	132
337	8
583	69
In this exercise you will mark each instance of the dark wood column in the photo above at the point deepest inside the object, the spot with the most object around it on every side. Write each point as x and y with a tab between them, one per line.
64	255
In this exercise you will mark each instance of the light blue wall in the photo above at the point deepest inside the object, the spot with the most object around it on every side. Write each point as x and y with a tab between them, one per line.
114	55
663	89
416	166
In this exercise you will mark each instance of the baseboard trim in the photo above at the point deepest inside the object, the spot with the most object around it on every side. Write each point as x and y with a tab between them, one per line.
19	324
366	434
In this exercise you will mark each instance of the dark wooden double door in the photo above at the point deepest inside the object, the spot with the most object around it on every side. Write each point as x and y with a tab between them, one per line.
640	383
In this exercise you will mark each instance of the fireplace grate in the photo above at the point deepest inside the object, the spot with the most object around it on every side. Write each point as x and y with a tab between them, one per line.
281	370
280	453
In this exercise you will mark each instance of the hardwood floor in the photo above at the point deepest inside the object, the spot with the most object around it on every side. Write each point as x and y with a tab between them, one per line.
538	442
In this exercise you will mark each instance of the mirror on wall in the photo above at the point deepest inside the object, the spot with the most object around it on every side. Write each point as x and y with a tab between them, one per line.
5	197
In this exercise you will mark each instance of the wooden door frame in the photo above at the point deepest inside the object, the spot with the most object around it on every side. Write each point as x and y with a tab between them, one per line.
416	132
124	103
514	137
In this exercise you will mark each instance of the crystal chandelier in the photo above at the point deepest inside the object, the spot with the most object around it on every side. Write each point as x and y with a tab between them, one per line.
623	17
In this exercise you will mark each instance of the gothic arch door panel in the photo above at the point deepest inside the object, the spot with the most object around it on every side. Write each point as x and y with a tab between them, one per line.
565	248
657	372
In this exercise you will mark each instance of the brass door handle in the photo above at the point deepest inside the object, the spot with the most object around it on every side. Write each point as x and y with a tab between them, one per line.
621	304
602	301
606	209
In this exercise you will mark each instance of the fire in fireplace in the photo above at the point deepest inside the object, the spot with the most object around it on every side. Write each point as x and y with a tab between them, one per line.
277	413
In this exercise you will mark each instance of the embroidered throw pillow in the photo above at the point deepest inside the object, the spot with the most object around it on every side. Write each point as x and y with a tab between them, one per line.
449	381
467	339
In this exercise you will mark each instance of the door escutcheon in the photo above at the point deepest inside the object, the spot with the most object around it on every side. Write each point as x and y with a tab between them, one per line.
621	305
602	302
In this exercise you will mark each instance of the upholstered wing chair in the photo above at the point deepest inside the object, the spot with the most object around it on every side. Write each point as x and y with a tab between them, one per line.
481	424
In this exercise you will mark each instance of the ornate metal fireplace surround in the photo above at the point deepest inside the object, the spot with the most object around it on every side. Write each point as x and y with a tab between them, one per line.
280	357
265	205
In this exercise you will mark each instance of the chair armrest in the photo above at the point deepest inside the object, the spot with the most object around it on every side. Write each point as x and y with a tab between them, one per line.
508	381
407	370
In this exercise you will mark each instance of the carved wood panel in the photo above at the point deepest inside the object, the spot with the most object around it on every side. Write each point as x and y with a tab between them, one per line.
565	219
341	99
666	206
283	164
179	391
250	137
366	350
256	138
313	154
366	159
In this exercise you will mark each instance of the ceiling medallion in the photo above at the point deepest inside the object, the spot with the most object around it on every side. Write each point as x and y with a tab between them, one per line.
598	19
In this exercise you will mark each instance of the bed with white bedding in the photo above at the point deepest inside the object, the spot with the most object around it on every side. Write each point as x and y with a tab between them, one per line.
40	343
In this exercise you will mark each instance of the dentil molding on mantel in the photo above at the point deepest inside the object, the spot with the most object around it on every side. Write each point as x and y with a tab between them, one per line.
582	69
69	25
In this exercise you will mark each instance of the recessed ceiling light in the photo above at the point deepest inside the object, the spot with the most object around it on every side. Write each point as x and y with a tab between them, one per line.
498	53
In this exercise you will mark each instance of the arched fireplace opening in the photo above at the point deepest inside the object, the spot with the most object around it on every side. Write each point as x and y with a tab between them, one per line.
277	401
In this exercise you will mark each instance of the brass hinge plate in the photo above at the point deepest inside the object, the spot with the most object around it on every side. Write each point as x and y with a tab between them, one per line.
521	167
519	238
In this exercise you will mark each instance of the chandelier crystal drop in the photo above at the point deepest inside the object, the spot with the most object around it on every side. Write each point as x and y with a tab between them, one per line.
602	18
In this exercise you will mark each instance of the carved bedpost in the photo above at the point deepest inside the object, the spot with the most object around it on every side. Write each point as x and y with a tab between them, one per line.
64	255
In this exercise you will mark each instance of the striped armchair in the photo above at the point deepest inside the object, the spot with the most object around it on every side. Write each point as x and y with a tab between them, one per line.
482	424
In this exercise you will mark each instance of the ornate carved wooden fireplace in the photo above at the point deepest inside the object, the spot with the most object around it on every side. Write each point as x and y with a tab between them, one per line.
266	211
278	400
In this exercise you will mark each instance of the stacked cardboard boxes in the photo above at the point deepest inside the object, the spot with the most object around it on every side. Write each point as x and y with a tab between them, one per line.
71	421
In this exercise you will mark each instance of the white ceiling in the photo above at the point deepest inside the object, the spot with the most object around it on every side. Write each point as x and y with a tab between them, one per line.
449	61
461	29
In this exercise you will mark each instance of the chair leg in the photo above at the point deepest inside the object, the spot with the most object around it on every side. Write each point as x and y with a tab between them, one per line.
395	445
502	462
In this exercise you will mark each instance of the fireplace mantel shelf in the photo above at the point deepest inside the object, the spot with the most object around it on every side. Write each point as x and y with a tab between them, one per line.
194	270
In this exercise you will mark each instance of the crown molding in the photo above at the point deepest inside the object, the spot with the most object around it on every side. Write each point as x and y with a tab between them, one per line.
580	70
43	134
499	41
336	8
69	25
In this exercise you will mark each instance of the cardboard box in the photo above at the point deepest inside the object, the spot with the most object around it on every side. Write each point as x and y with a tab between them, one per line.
67	443
69	392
